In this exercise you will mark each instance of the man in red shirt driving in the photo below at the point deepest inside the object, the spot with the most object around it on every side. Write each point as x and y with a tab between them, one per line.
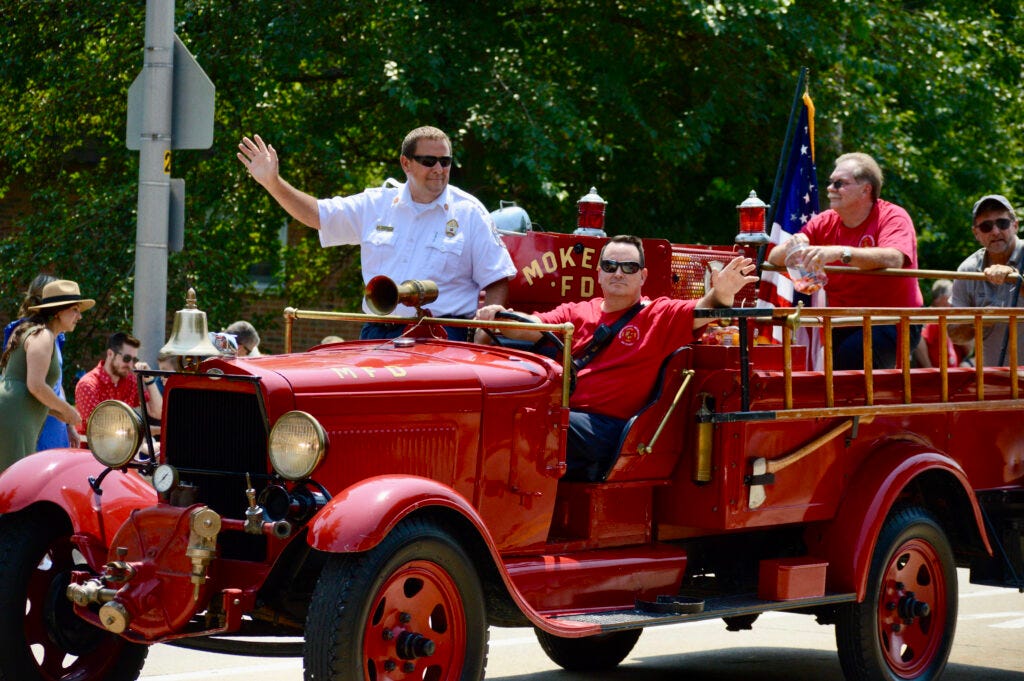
617	382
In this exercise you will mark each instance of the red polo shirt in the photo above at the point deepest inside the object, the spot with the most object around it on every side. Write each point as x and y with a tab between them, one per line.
97	386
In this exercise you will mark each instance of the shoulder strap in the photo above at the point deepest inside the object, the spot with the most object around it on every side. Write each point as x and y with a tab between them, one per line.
604	334
18	337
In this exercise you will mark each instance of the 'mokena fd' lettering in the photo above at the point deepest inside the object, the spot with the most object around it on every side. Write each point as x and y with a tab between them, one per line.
561	261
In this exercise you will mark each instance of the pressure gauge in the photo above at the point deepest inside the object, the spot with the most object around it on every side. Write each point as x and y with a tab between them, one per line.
165	478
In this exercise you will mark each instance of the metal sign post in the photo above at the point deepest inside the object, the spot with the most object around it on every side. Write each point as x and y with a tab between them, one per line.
170	106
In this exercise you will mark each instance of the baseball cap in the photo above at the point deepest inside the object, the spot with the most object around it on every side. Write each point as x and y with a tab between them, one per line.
993	198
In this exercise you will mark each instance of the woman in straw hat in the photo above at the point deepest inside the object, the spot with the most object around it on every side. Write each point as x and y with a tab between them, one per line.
55	433
30	367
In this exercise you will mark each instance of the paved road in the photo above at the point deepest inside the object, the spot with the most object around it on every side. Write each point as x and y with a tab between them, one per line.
989	646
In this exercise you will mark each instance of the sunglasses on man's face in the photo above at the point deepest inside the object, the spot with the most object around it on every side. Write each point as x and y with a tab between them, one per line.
431	161
129	359
627	266
986	226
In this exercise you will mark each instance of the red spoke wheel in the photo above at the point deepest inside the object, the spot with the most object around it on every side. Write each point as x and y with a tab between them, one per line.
44	639
417	621
906	614
410	608
904	628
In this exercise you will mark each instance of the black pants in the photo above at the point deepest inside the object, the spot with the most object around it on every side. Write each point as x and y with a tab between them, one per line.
848	346
592	444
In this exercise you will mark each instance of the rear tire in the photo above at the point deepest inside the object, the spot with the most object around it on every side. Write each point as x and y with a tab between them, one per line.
591	653
412	606
903	631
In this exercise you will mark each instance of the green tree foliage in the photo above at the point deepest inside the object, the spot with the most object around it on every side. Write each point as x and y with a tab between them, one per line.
673	110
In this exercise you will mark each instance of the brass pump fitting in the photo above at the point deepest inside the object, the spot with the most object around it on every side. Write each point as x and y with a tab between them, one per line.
202	544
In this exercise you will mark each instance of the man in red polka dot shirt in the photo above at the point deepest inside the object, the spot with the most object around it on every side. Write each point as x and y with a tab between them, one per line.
114	379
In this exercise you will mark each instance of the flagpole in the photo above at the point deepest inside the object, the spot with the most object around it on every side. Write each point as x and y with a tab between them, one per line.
784	156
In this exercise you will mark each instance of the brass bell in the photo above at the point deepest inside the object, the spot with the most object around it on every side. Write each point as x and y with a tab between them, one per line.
383	295
190	337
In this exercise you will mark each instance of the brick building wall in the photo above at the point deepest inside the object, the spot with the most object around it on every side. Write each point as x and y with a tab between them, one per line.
305	332
14	203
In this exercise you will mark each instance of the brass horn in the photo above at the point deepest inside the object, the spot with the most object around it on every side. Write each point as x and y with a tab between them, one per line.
190	336
383	295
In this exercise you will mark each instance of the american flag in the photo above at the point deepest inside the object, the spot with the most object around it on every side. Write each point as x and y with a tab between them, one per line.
798	203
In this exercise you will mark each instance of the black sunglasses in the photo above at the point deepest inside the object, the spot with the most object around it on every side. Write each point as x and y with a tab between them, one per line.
431	161
986	226
628	266
130	359
839	184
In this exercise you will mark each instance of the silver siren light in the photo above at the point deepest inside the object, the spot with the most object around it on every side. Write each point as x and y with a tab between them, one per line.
511	219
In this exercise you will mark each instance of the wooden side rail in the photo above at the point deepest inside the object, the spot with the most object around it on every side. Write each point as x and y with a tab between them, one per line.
827	319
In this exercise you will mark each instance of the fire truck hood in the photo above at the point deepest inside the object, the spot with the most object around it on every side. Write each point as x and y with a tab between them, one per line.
373	366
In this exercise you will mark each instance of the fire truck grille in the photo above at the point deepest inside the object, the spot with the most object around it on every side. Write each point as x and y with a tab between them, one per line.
213	439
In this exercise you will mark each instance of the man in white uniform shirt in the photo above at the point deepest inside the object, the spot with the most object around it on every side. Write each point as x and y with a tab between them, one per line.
423	229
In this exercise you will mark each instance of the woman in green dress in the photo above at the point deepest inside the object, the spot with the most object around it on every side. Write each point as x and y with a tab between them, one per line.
30	367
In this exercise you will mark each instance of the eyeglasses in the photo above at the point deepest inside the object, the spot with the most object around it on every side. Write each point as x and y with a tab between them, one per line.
431	161
627	266
839	184
986	226
130	359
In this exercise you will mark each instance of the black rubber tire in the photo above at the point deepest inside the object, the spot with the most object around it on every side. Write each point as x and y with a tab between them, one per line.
913	555
360	597
591	653
740	622
36	559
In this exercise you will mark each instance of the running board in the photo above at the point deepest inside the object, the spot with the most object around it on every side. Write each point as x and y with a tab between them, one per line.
714	608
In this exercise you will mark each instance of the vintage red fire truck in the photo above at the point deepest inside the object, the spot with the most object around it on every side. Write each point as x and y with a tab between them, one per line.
389	501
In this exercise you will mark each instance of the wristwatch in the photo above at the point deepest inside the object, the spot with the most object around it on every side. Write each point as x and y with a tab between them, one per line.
847	256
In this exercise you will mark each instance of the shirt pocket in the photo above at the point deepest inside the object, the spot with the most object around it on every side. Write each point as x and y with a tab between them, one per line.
445	252
378	251
987	296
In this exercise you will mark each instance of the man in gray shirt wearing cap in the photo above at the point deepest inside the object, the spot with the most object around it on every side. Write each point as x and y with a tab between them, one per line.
995	228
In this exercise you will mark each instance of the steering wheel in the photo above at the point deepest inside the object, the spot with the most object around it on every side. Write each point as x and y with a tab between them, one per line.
548	345
540	347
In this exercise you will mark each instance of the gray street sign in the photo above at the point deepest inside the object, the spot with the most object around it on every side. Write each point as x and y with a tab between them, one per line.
193	99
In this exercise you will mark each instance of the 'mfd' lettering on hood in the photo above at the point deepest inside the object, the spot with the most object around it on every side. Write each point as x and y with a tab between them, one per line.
372	372
573	268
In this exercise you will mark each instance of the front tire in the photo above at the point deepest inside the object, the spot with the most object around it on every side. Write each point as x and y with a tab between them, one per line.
43	638
904	628
591	653
411	607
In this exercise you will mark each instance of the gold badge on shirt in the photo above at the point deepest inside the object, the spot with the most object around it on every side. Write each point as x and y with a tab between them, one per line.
451	228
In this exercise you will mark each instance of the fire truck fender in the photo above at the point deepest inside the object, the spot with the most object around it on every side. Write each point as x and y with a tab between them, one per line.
358	518
361	516
55	477
848	541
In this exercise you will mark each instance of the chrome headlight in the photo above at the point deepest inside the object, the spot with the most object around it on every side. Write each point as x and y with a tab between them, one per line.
297	445
115	433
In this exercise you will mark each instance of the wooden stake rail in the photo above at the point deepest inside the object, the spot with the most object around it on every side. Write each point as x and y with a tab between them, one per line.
828	318
896	272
